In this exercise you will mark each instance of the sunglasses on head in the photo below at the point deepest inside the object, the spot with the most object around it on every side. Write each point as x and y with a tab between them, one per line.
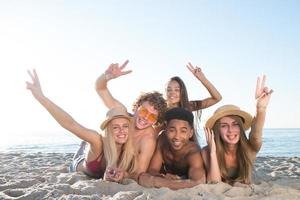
144	112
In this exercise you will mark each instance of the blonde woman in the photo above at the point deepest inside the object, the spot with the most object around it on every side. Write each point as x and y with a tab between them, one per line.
111	155
230	155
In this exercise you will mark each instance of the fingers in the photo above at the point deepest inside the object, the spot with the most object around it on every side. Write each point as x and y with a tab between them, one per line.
172	176
28	85
124	64
257	87
115	66
267	90
30	74
126	72
263	81
271	91
116	70
208	134
36	77
260	86
190	67
193	69
213	135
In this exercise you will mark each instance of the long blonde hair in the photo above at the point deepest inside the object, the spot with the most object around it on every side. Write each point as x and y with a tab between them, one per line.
127	158
243	157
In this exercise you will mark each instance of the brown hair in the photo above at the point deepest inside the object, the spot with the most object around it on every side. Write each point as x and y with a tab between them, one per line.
193	106
156	100
244	161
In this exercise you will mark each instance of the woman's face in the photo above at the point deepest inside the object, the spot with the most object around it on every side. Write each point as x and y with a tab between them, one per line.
229	130
173	93
120	130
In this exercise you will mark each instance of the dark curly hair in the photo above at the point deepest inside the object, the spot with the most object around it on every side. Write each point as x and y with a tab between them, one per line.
156	100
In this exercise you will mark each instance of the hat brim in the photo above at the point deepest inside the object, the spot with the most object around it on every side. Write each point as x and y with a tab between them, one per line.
247	118
105	122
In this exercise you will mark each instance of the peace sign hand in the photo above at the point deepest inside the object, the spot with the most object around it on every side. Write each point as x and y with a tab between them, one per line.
34	86
195	70
114	70
262	93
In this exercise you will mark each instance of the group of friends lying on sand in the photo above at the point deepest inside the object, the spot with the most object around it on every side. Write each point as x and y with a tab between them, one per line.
157	145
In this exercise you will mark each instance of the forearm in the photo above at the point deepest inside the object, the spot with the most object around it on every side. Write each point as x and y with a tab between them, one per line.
102	90
211	89
148	180
215	96
259	119
133	176
62	117
213	172
257	128
101	83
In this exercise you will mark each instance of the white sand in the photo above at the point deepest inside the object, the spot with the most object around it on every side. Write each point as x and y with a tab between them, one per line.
45	176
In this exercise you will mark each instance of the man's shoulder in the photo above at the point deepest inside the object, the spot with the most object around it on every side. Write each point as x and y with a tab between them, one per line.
192	148
147	137
147	132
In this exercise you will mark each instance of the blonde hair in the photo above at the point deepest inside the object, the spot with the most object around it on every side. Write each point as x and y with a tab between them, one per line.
243	157
127	158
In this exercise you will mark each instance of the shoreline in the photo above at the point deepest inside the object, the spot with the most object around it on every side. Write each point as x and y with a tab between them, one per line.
46	176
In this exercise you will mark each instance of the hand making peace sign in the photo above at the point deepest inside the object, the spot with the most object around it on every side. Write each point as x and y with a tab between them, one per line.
262	93
114	70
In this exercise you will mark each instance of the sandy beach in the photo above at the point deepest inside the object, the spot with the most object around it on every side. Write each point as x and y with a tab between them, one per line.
45	176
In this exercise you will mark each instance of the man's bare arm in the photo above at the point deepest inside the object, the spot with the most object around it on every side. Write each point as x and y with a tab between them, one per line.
113	71
146	152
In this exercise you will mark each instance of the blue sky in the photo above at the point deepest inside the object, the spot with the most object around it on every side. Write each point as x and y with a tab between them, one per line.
70	43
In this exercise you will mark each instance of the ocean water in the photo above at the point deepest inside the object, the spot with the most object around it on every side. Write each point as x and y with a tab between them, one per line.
276	142
279	142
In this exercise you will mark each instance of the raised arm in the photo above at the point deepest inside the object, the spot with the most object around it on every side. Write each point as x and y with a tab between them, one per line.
62	117
113	71
262	96
215	96
210	158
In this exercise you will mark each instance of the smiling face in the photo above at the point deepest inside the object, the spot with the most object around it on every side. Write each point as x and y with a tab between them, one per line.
120	130
145	116
173	93
230	130
178	133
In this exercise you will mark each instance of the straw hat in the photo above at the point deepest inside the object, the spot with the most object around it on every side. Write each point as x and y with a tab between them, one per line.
117	112
229	110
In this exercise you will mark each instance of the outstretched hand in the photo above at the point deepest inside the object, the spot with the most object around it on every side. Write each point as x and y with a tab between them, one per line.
262	93
34	86
195	70
114	70
210	139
